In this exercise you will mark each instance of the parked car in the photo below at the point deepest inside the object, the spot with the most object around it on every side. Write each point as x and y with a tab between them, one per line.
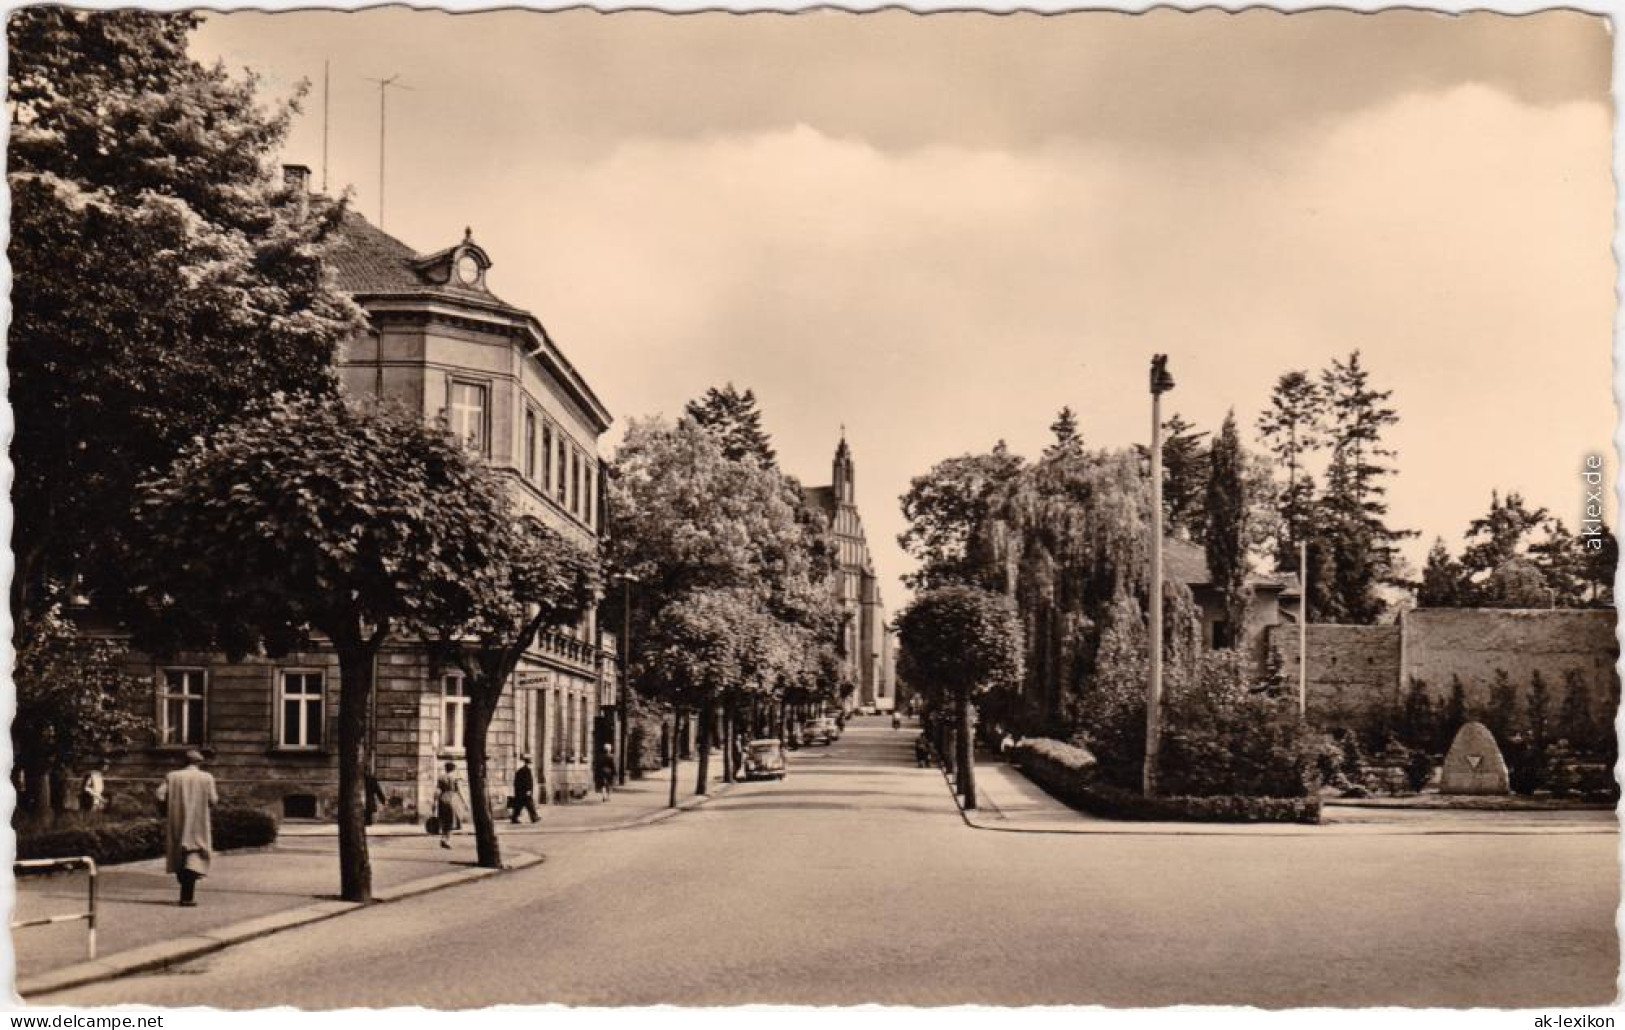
821	731
764	759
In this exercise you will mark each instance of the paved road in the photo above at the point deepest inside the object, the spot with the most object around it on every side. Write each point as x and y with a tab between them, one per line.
856	881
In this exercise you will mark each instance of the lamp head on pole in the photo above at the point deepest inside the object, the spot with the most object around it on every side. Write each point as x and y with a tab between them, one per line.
1161	381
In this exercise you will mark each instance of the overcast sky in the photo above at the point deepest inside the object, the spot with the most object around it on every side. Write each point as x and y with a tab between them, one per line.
939	230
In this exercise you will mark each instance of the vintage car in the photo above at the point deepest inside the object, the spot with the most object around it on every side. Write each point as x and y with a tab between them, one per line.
765	759
821	731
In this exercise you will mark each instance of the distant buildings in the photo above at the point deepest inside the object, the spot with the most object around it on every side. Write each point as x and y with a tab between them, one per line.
867	648
440	342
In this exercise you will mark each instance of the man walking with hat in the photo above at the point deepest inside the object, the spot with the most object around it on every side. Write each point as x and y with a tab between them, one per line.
187	795
524	791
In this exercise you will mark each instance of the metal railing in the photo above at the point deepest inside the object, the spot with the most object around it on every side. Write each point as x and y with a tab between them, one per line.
89	916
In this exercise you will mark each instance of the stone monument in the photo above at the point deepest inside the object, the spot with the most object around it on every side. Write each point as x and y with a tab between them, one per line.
1474	764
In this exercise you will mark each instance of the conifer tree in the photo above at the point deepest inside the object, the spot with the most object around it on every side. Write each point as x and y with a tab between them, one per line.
734	417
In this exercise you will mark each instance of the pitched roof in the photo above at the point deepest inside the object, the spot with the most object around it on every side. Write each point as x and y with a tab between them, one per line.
1186	563
369	262
821	497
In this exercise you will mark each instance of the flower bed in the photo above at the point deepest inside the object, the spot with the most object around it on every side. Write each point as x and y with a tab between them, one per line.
1067	773
132	840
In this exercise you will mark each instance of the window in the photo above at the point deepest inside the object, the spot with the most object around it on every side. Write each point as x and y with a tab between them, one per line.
581	722
301	710
563	464
592	496
575	481
181	718
453	712
468	416
547	456
530	445
556	703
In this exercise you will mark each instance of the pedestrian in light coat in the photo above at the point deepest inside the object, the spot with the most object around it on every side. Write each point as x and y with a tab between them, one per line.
187	796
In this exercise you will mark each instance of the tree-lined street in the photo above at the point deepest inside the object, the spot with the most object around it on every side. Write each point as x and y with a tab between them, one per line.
864	885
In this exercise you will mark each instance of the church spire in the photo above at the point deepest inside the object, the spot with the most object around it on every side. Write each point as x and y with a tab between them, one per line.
845	475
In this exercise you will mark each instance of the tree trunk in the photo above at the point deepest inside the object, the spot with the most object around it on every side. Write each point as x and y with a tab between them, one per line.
703	775
671	750
966	780
355	697
623	734
729	720
481	707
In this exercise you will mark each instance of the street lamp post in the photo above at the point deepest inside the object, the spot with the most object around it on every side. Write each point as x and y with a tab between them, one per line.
622	734
1161	382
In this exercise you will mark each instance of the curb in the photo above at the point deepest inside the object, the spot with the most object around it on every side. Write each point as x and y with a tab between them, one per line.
169	953
1119	828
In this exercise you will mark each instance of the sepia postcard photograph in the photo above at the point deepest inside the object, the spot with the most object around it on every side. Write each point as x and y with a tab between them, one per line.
811	508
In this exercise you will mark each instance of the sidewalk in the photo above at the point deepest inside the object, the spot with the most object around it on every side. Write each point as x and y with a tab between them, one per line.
638	803
252	893
1009	802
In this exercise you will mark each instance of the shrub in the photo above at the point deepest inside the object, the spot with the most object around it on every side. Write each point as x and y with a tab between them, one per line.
1224	738
243	828
1069	773
132	840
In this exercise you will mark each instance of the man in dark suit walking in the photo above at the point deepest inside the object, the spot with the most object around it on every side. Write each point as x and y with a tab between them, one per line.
524	791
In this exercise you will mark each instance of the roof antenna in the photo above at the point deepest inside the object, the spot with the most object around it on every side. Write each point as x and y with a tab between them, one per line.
383	96
326	69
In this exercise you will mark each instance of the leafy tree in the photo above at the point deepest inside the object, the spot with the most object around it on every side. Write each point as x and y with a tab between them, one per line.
1501	535
1515	583
1444	580
1502	714
1579	570
1351	522
164	281
1225	738
1576	720
1185	474
698	528
733	416
960	642
950	514
1065	428
1226	521
1418	722
76	703
313	516
1292	431
535	579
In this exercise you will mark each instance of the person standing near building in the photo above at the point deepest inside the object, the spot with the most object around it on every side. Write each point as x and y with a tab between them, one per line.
603	772
375	797
93	792
187	795
524	791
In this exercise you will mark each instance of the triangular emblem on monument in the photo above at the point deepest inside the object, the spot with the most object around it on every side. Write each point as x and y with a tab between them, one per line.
1473	761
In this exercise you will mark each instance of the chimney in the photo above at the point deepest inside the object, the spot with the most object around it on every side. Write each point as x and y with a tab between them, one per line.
297	179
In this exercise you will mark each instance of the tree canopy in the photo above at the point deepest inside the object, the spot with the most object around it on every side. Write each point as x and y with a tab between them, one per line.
164	279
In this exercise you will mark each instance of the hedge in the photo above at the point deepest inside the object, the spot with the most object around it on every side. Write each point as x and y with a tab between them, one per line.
132	840
1067	772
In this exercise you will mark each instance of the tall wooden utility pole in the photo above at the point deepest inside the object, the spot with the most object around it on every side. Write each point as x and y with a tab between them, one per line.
1303	629
1161	383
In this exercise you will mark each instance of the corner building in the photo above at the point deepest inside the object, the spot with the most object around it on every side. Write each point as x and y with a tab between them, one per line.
440	342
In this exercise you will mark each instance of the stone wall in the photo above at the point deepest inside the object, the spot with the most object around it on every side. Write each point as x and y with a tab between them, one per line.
1473	643
1355	672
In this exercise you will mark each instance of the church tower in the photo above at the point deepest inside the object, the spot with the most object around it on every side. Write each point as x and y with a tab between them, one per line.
844	474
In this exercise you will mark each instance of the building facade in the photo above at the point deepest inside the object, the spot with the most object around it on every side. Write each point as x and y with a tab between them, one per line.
438	342
866	646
